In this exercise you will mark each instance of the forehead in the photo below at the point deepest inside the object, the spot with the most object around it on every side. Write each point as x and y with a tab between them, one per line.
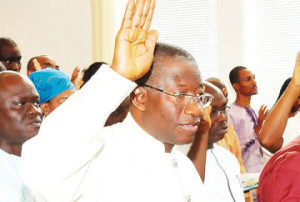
63	95
7	51
45	59
219	100
16	87
180	72
245	73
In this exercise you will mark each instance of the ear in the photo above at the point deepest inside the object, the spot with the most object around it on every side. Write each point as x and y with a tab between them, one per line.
29	72
138	98
235	86
46	109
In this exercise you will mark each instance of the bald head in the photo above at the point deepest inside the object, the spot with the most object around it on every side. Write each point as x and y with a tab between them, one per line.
218	83
218	114
10	79
10	55
20	115
43	62
213	90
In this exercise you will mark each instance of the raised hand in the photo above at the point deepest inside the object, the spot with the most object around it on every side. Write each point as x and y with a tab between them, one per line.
270	136
134	45
262	115
197	152
74	78
296	75
205	120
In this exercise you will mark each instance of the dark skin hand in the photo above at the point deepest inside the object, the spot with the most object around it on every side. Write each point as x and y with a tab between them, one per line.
197	152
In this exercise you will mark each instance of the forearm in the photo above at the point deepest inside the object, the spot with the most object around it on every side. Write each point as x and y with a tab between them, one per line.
272	130
197	153
71	135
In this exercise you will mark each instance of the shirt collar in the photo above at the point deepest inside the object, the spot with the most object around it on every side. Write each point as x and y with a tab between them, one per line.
139	139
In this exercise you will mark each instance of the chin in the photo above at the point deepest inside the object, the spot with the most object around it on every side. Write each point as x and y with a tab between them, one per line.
219	137
32	133
186	140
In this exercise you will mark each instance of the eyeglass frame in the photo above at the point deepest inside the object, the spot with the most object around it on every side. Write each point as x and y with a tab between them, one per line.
11	60
185	95
223	110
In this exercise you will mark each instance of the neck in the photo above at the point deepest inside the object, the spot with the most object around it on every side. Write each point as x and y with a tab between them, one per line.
11	149
209	145
137	116
168	147
243	101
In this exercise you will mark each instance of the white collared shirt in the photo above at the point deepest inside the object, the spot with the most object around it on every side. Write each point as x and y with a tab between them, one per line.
12	188
75	158
222	176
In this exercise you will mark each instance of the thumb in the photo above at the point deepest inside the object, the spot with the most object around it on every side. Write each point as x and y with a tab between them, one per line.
151	40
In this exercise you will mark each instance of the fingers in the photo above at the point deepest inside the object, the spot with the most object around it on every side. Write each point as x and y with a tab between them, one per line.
263	112
206	116
296	74
151	40
208	109
149	16
138	14
126	23
145	13
263	107
36	65
75	74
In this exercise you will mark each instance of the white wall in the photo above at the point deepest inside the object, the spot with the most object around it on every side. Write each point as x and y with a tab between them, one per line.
60	28
230	39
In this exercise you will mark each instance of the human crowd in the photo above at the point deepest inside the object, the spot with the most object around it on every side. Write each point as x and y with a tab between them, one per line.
144	128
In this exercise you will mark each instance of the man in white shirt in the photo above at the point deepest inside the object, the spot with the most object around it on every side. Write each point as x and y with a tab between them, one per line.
76	158
222	171
20	119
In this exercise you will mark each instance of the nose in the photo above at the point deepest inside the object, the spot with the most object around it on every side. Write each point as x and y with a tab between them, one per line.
222	116
193	109
34	110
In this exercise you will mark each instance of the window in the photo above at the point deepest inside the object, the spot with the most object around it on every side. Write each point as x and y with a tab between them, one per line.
190	25
272	31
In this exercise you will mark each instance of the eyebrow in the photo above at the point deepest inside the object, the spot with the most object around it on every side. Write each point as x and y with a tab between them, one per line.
47	63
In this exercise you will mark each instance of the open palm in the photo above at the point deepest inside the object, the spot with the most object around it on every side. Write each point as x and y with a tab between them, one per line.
134	46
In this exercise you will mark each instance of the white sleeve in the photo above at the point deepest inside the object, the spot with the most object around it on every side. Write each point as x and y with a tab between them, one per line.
56	160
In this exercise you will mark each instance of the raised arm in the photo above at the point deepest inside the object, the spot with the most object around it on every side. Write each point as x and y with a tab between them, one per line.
54	163
276	121
262	115
134	46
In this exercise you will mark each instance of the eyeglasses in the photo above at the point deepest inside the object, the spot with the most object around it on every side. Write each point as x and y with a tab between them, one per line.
185	99
217	112
10	60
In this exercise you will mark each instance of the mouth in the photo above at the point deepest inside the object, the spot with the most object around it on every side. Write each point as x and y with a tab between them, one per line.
224	129
191	126
36	122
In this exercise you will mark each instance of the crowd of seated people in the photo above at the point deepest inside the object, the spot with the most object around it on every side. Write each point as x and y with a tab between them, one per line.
110	132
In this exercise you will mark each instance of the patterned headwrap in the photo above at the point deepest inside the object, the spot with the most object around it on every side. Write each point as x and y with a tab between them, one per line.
50	82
